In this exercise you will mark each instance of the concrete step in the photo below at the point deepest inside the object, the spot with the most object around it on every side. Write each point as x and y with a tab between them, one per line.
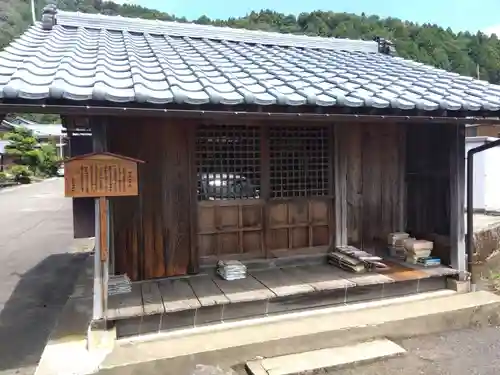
235	343
328	358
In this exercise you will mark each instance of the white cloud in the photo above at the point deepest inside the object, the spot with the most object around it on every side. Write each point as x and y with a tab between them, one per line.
492	30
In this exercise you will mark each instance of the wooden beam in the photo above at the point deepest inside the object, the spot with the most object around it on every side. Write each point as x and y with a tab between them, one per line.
340	178
457	203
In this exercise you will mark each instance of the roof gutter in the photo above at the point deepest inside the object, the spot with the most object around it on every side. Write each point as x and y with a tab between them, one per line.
90	110
469	239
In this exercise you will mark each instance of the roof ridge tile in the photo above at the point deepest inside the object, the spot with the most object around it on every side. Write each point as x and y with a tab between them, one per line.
192	30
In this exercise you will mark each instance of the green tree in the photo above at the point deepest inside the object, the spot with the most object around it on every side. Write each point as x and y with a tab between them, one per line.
23	147
31	157
48	160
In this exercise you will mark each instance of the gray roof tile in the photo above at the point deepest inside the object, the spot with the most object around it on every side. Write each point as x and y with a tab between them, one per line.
96	57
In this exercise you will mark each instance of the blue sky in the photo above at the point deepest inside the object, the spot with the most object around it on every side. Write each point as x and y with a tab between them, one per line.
469	15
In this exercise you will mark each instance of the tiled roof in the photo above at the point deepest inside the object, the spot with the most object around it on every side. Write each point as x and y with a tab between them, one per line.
94	57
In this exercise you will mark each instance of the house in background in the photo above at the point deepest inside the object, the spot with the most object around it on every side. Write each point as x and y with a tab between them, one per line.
45	133
5	160
265	148
490	130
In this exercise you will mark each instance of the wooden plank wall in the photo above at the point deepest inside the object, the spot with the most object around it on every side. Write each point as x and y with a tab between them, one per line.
156	233
374	180
152	232
428	184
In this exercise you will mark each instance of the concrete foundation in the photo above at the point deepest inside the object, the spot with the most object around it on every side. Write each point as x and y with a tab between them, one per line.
236	344
458	285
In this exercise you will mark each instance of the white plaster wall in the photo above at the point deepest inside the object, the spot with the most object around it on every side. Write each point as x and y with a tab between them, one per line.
479	172
492	179
486	175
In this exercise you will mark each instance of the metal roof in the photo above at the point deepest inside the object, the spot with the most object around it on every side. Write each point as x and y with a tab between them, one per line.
109	58
40	130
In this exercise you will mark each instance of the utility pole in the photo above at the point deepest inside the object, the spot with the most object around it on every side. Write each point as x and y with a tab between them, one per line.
33	15
478	74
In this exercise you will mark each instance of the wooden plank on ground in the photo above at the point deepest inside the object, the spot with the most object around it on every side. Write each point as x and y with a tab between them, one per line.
281	283
244	290
207	292
320	277
178	295
126	305
151	298
439	271
364	279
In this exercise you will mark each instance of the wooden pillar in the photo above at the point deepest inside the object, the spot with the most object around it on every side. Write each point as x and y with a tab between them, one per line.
457	204
340	179
401	180
101	264
194	257
265	186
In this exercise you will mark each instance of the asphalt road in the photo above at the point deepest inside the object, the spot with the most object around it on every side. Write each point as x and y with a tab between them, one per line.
464	352
37	270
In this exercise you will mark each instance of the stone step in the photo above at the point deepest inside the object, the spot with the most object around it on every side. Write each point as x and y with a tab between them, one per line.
328	358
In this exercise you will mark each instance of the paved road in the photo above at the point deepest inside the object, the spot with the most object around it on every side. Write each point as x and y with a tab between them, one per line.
36	271
465	352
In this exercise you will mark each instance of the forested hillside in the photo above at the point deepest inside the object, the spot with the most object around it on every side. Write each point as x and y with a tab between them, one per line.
462	52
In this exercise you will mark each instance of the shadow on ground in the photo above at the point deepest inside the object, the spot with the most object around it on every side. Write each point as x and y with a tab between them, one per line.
31	312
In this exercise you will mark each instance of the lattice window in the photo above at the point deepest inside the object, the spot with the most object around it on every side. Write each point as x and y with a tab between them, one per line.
298	161
228	162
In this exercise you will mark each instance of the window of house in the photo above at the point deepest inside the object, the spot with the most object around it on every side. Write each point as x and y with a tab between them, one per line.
228	162
298	161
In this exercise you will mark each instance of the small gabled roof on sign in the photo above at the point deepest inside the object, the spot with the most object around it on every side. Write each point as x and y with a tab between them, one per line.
98	155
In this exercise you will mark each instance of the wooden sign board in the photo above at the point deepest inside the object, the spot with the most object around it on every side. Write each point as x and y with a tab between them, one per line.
101	175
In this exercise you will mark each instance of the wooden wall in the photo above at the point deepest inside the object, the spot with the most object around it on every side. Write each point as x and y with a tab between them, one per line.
397	179
428	179
152	232
375	180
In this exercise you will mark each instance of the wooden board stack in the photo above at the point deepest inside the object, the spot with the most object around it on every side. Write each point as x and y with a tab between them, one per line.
119	284
351	259
346	262
416	249
231	269
396	243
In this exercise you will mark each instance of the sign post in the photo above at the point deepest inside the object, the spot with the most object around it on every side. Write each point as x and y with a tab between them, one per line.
100	176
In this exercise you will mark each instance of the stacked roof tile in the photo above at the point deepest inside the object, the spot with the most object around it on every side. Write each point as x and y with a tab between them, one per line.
108	58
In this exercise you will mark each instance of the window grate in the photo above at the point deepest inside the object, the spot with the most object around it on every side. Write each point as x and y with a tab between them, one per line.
298	161
228	162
